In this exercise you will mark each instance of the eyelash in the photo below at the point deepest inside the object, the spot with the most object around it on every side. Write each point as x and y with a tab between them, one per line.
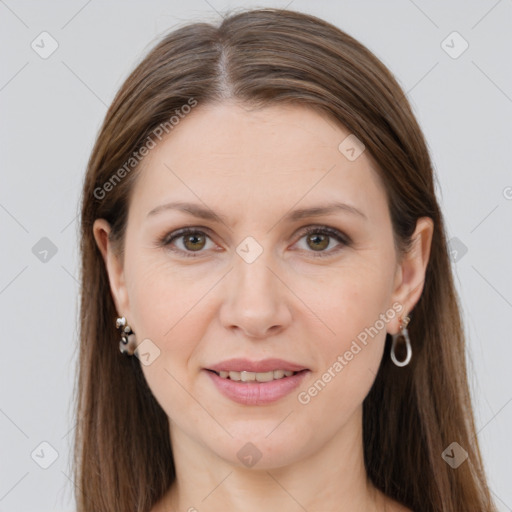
167	239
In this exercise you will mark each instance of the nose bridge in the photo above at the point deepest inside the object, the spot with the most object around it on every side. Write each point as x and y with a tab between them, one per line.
252	270
256	299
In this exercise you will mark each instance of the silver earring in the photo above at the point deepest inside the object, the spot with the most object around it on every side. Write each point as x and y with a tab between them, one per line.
405	335
127	345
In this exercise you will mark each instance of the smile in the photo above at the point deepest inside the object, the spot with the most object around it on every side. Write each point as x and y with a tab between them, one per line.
246	376
256	388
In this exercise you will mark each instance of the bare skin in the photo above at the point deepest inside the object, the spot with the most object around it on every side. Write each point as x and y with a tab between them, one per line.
254	167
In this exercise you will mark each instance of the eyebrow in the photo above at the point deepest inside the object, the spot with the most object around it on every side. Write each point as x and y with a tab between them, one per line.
202	212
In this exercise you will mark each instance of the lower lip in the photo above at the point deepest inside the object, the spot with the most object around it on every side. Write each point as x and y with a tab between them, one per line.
257	393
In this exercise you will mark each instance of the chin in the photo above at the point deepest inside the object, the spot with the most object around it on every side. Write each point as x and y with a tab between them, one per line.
264	449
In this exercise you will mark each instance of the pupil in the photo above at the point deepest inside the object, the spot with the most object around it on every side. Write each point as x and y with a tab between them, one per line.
193	240
322	238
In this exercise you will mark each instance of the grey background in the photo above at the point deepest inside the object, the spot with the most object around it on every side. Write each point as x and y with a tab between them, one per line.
52	108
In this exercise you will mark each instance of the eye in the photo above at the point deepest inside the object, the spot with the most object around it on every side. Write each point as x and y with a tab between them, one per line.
319	238
194	240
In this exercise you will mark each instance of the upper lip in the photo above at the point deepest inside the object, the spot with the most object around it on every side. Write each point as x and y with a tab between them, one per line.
265	365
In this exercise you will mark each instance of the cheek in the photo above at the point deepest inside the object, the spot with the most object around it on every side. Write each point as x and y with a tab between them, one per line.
166	308
163	296
351	301
355	310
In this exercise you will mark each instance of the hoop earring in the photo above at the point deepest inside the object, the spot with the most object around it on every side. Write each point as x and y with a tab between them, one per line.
127	345
405	335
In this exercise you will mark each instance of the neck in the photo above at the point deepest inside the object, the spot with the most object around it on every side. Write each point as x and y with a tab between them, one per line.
333	478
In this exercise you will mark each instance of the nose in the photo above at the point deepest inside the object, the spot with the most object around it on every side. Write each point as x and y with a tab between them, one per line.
257	299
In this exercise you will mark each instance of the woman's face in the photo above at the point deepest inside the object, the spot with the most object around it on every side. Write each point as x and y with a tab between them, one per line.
250	291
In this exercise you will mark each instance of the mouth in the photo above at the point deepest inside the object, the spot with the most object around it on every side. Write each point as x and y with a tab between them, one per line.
247	376
256	382
252	388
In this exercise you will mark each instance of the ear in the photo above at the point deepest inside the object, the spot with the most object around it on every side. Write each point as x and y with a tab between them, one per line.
410	273
113	264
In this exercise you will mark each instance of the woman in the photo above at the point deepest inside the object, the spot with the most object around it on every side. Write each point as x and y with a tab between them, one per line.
269	320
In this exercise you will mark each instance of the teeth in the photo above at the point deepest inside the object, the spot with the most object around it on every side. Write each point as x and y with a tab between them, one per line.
247	376
264	376
244	376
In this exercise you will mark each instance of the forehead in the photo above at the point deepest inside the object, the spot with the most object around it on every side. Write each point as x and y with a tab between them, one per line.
231	156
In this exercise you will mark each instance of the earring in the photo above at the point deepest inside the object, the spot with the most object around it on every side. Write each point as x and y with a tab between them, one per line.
405	335
127	344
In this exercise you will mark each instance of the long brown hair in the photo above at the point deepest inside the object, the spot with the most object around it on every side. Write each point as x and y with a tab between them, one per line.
123	457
